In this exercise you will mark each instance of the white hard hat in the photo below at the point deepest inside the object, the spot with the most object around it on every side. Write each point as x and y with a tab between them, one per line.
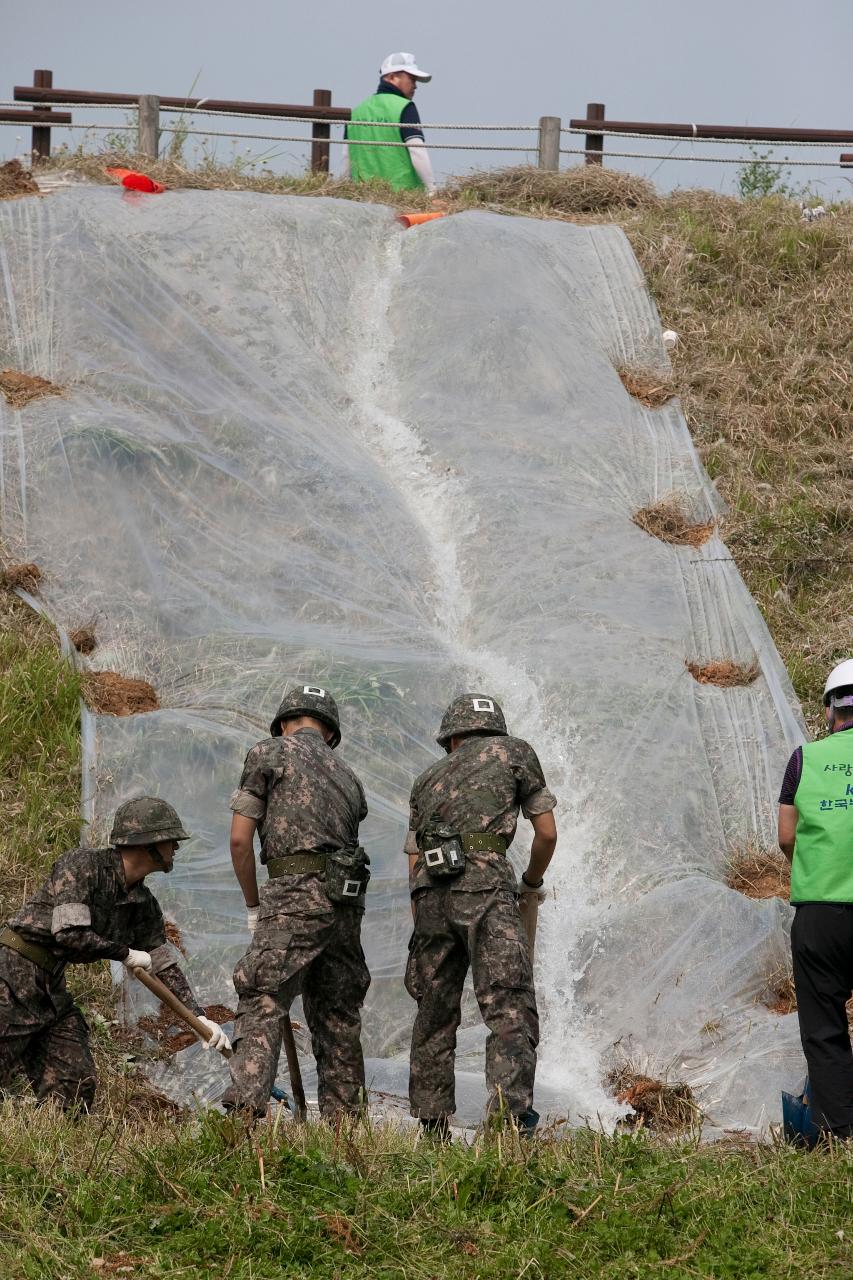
403	62
840	677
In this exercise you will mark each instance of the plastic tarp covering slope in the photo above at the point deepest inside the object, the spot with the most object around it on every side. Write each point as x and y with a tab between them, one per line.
298	444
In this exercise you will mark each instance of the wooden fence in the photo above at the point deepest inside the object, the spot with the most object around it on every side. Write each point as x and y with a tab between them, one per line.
594	127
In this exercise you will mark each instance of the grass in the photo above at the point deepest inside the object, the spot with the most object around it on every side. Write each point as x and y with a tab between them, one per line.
39	750
209	1199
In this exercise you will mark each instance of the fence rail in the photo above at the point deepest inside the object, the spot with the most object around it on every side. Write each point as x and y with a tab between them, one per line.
321	115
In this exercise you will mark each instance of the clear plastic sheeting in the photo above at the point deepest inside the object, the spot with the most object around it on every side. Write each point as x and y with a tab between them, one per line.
300	444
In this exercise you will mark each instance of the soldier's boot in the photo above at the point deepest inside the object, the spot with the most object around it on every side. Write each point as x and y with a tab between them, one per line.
526	1122
233	1105
437	1129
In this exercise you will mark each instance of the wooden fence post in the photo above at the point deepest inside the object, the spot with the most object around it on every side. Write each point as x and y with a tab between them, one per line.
320	132
594	141
41	133
149	125
549	142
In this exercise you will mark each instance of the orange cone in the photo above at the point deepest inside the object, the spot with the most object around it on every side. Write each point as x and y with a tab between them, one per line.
415	219
136	181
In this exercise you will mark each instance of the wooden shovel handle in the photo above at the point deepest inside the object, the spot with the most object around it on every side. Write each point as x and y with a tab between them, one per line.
162	992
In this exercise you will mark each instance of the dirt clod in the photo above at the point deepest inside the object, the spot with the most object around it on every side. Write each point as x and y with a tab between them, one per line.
174	1035
25	575
669	520
658	1104
652	387
83	639
110	694
16	181
20	388
723	673
758	873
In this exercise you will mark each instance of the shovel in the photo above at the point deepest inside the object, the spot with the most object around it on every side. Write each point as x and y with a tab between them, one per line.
167	997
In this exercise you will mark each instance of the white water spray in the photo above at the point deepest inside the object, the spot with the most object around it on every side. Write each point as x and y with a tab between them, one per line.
434	496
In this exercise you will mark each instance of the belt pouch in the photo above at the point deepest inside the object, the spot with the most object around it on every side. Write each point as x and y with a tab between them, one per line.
347	874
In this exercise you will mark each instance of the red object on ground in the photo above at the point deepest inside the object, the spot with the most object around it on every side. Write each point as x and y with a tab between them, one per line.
415	219
136	181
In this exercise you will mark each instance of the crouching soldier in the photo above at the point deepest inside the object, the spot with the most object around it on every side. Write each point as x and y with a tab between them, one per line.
306	921
464	811
93	906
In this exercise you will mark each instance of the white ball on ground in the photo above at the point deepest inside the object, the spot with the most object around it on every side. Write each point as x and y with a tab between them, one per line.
670	339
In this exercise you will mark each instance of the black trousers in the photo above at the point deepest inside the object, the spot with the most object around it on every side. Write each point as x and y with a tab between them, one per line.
822	951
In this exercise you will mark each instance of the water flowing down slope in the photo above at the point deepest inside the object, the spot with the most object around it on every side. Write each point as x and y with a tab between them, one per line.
298	443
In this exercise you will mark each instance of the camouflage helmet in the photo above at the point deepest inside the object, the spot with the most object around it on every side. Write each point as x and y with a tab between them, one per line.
146	820
472	713
309	700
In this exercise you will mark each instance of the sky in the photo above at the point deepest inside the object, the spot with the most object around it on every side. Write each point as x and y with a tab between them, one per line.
772	62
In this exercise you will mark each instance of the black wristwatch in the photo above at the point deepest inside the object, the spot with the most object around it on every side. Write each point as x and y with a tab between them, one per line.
532	886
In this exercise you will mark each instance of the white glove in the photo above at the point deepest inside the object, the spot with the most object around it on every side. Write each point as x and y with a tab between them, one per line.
137	960
252	918
218	1039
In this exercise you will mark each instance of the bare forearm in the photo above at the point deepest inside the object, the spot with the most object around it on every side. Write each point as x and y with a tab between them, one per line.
243	862
541	853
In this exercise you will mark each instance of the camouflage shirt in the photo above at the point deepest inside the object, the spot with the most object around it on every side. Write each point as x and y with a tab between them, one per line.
478	787
85	912
302	795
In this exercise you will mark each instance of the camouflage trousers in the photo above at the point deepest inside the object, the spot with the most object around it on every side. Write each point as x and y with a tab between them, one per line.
43	1034
318	955
455	930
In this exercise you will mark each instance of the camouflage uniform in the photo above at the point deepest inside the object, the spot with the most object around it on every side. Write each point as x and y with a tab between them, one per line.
82	913
307	801
473	919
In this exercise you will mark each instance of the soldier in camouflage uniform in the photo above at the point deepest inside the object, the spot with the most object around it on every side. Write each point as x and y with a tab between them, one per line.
306	804
463	816
93	906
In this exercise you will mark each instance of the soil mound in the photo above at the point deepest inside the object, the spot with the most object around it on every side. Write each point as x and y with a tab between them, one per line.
652	387
668	520
658	1105
20	388
83	639
759	873
723	673
16	181
110	694
25	575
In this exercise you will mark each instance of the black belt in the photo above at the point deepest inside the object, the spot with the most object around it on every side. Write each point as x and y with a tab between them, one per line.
32	951
293	864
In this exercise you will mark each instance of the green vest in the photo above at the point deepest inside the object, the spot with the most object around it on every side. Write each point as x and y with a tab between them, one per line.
823	850
385	164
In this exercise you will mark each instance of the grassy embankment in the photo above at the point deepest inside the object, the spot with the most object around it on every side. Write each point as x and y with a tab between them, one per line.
762	303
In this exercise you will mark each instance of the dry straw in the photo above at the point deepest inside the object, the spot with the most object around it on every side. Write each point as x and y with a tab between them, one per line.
111	694
20	388
661	1105
669	519
652	387
723	672
758	872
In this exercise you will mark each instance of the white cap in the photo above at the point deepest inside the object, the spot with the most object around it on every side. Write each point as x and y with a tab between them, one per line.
403	62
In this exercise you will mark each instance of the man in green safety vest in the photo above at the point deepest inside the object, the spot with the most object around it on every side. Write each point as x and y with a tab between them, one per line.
816	835
406	164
